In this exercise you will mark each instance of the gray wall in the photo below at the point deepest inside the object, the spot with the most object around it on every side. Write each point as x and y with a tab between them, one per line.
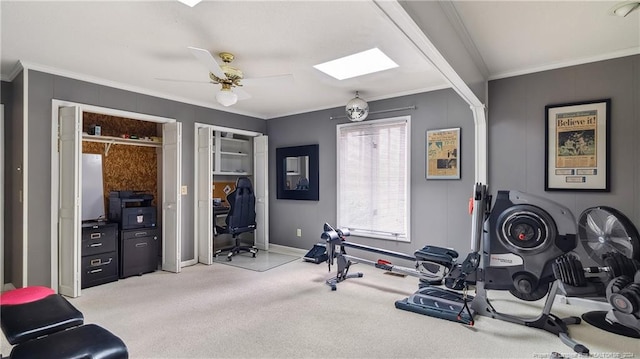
43	88
517	125
438	207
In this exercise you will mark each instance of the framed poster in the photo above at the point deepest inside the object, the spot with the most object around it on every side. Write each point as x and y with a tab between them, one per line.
577	146
443	154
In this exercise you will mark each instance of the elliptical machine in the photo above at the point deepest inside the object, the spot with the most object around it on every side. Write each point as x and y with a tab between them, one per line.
521	237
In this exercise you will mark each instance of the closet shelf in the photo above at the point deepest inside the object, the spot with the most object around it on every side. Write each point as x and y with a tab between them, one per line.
231	156
233	153
231	173
229	139
109	141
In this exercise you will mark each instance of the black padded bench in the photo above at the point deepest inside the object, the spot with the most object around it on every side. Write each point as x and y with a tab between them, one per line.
85	341
31	320
43	324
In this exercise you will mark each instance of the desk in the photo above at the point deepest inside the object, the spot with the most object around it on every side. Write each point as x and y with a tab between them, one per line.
220	210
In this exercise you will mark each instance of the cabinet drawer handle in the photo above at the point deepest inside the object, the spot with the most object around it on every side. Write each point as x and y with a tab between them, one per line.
140	234
96	245
143	244
99	262
96	235
95	271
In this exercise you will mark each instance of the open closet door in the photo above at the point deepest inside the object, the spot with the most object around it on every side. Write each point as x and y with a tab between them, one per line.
2	196
171	175
70	200
261	189
205	200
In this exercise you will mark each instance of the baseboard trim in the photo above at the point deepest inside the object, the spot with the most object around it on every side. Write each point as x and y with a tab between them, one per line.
287	250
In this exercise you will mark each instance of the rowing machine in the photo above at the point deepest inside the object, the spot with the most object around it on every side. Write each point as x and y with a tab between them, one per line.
432	263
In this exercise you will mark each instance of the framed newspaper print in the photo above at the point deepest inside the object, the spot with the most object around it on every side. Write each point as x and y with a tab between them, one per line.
577	146
443	154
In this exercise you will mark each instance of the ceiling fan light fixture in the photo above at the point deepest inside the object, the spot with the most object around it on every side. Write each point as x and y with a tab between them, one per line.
226	97
624	8
357	109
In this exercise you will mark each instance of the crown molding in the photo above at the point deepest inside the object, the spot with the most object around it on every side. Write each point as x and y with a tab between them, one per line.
557	65
368	99
121	86
17	69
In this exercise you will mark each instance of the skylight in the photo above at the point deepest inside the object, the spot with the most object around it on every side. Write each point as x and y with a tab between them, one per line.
191	3
359	64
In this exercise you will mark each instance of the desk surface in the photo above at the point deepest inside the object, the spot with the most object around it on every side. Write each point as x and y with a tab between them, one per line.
220	210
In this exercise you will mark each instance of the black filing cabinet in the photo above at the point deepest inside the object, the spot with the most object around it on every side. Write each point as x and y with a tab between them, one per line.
99	253
138	251
139	240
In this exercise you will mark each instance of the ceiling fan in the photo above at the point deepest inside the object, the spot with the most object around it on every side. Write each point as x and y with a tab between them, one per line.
230	78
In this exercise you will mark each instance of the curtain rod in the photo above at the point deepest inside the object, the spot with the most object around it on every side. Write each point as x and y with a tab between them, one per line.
376	112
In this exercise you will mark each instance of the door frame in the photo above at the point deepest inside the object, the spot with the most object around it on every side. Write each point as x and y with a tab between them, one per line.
198	237
55	171
2	173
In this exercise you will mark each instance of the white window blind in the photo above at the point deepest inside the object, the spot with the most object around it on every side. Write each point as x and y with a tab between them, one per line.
373	178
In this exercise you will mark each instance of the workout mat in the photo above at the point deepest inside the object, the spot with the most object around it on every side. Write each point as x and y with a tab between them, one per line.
262	262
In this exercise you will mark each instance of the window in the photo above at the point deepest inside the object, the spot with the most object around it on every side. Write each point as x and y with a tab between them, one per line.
373	178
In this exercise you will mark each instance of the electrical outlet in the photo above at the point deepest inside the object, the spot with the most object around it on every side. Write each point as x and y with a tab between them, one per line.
299	232
183	190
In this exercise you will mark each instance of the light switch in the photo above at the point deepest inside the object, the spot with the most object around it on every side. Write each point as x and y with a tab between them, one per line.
183	190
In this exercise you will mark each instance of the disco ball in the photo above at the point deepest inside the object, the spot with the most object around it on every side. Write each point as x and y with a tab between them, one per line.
357	109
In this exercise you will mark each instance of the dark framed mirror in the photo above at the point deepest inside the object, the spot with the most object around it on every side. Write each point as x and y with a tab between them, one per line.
297	174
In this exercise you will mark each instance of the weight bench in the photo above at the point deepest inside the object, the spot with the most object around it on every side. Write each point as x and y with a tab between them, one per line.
42	324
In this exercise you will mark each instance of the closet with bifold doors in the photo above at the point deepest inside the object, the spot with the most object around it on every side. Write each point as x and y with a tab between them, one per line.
121	178
223	155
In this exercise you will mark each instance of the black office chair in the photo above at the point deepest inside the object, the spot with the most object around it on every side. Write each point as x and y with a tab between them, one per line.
303	184
241	217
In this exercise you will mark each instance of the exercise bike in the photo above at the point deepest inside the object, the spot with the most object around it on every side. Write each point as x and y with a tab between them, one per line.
513	247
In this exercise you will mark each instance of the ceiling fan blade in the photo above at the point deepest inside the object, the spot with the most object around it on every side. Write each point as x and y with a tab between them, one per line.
242	94
207	59
186	81
268	80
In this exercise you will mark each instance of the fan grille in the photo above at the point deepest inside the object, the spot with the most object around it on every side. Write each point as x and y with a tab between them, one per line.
604	229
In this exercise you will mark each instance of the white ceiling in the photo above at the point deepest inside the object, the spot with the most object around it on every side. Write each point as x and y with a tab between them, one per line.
142	45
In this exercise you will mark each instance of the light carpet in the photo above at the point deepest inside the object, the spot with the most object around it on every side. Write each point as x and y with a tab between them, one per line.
221	311
262	262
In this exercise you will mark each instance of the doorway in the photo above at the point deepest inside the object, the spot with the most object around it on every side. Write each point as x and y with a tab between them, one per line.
223	154
67	182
